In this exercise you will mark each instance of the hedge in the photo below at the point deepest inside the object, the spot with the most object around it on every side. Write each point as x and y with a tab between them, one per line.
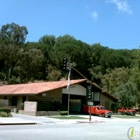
5	112
63	112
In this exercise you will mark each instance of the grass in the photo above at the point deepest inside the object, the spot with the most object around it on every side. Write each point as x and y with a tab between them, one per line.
65	117
126	116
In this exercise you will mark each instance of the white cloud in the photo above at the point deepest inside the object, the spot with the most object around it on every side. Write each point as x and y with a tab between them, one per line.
94	15
122	5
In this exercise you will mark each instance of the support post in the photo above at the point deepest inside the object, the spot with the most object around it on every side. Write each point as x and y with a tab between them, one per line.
90	113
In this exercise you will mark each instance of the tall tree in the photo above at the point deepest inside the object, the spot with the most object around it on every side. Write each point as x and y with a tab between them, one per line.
12	37
76	51
111	81
127	93
96	69
13	34
49	40
29	64
9	54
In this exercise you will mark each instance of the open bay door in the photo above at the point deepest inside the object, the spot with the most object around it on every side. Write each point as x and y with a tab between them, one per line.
77	97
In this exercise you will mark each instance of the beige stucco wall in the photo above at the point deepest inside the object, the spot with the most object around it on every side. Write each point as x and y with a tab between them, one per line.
8	98
75	90
55	95
106	101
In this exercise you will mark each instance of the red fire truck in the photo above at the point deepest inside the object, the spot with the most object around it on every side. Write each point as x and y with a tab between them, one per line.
127	111
97	110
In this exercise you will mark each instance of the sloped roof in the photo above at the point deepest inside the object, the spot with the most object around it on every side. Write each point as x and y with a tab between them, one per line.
35	88
41	87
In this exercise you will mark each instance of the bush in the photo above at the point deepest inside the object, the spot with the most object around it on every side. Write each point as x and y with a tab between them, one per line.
22	106
3	114
5	109
63	112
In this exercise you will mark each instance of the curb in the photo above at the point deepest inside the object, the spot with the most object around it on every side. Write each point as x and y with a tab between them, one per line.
32	123
90	121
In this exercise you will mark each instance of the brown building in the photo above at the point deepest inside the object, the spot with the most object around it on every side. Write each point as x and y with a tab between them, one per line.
56	91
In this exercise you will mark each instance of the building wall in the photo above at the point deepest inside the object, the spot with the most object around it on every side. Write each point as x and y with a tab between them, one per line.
55	95
75	90
9	98
106	101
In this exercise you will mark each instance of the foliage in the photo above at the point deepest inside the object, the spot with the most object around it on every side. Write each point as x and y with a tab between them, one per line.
48	40
29	64
22	62
22	106
53	74
5	109
63	112
127	93
13	34
115	78
5	112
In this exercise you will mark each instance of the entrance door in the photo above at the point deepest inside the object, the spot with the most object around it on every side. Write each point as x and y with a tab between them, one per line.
14	101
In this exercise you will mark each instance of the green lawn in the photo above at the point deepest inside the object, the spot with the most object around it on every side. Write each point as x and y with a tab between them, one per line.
126	116
67	117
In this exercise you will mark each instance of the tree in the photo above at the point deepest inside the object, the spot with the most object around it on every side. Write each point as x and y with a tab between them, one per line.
111	81
127	93
76	51
49	40
96	69
9	56
29	64
12	37
53	74
111	59
13	34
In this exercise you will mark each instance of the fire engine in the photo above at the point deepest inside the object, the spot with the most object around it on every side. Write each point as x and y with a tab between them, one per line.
97	110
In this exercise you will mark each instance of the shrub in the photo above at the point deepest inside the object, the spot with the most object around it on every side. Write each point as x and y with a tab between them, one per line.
5	109
22	106
63	112
3	114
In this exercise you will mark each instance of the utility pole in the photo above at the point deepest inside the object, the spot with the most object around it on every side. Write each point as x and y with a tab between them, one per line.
68	85
68	66
89	92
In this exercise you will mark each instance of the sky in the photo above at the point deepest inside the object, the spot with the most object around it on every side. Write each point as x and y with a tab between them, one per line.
112	23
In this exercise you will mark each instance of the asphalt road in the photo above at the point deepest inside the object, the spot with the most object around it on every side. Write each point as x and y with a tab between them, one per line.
114	130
